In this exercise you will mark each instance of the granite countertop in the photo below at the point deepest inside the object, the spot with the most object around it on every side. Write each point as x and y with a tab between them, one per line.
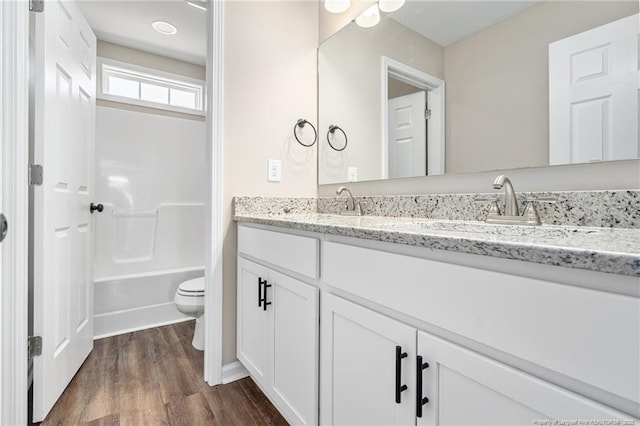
612	250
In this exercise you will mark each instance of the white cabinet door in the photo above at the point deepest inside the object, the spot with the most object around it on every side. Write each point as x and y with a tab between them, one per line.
358	366
294	348
64	133
253	319
465	388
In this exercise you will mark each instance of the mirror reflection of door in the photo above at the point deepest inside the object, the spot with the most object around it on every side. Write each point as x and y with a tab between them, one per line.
407	107
593	94
413	139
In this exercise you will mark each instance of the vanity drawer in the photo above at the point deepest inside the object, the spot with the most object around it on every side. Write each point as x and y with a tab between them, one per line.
588	335
293	252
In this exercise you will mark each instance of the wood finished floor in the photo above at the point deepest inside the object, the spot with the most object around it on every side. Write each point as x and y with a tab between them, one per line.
154	377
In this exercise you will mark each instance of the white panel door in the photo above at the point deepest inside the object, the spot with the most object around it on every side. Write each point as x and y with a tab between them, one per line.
408	135
465	388
593	95
64	135
294	348
358	366
253	319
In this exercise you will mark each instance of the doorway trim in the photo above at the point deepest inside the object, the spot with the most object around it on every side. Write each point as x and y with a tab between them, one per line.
214	229
14	134
435	89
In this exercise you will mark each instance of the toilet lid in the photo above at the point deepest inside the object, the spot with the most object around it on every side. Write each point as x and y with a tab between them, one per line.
194	287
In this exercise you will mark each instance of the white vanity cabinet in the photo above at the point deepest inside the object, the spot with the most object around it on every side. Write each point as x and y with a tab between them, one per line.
253	319
462	387
379	371
586	339
506	342
277	330
361	370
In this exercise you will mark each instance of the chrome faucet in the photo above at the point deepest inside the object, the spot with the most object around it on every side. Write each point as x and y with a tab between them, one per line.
510	201
352	207
511	214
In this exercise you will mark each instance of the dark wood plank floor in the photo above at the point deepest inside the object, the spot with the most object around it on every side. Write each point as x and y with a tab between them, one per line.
154	377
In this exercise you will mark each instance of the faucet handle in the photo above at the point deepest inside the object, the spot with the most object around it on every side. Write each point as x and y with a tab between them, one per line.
530	211
493	207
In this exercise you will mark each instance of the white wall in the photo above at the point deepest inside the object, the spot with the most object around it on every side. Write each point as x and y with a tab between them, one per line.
269	83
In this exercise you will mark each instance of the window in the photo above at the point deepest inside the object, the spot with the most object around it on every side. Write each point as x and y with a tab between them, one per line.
136	85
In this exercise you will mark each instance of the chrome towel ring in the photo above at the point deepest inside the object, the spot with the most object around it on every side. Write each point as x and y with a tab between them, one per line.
332	130
301	123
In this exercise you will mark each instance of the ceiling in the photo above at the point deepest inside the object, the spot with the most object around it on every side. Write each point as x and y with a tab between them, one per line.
128	23
447	22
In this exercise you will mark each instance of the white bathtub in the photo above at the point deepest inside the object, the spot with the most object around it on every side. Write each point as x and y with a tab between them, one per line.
138	301
150	177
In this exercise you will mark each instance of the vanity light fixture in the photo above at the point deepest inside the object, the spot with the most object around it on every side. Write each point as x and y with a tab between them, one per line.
164	27
337	6
199	4
389	6
369	18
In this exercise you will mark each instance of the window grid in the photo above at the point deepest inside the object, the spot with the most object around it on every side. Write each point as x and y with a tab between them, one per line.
187	95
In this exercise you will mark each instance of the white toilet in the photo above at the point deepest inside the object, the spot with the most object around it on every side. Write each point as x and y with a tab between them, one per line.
189	300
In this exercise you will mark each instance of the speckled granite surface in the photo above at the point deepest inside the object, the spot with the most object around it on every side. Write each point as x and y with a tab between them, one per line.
611	250
274	205
615	209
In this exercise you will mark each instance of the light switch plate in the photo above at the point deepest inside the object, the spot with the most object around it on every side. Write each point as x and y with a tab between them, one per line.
274	173
352	174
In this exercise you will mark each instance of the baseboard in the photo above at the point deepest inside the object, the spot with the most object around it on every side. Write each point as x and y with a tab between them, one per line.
232	372
129	320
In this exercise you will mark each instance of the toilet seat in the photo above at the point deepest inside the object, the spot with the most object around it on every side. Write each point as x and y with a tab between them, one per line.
189	300
192	288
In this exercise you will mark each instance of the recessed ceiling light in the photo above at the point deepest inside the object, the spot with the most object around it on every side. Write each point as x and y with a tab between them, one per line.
164	27
198	4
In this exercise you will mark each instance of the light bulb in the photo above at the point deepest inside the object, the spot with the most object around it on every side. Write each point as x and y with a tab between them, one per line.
369	17
336	6
389	6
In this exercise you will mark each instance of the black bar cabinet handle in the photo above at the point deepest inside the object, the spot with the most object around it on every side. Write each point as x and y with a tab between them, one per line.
420	401
399	386
264	299
261	282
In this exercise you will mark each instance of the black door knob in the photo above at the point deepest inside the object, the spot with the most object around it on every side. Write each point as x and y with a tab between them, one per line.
4	227
94	207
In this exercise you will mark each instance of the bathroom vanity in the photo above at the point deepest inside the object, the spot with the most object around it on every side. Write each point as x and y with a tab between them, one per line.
387	320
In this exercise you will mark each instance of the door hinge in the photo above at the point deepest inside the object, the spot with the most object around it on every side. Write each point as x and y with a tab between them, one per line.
427	114
36	6
34	346
35	174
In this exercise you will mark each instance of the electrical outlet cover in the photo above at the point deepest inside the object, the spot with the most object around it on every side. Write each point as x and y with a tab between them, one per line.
274	172
352	174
